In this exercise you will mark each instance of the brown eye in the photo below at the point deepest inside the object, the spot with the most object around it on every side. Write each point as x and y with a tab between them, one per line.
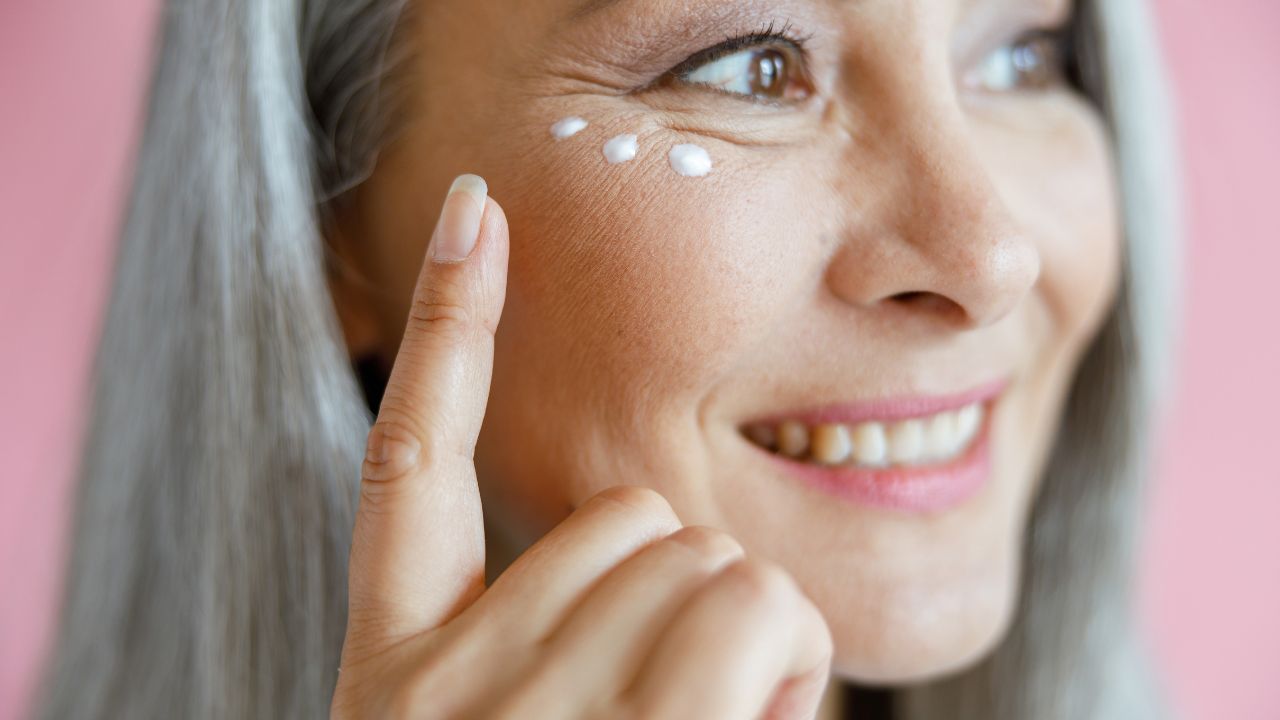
769	73
1033	62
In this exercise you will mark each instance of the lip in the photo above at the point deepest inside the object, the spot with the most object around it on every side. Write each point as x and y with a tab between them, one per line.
889	409
929	488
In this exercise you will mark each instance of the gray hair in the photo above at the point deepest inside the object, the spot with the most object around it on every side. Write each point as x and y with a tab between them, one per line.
219	478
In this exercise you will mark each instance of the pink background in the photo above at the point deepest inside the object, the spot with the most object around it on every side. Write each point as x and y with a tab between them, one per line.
71	78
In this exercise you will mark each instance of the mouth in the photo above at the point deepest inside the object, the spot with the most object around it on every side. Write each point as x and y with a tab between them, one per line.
917	454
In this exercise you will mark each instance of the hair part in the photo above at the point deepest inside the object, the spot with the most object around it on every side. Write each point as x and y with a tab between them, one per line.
219	477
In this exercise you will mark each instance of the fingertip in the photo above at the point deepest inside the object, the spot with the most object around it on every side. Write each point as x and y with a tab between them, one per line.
493	224
458	227
473	185
495	246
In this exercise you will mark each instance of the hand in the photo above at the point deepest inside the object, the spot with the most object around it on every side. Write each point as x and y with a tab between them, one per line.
618	612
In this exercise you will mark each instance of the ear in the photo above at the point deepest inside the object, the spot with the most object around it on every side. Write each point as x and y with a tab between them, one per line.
353	299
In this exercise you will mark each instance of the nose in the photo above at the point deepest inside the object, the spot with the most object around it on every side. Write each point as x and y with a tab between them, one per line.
935	238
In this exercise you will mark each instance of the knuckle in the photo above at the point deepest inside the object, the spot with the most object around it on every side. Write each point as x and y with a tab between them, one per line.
393	451
634	498
435	312
825	641
708	543
760	584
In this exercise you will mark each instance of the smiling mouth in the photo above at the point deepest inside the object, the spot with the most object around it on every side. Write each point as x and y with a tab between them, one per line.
919	454
894	433
935	438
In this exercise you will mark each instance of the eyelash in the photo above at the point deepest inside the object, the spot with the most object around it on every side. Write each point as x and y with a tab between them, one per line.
770	35
766	35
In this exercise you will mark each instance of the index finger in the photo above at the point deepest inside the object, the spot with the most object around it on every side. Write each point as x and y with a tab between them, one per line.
417	556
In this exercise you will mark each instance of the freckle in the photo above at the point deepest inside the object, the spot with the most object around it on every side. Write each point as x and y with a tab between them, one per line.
690	160
620	149
568	127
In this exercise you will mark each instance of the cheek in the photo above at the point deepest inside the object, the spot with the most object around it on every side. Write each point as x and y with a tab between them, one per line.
1061	184
649	284
1083	241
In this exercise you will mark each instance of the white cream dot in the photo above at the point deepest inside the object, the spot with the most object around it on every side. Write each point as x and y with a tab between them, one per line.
568	127
620	149
690	160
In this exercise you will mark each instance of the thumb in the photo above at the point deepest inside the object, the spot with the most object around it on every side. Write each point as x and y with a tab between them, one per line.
417	556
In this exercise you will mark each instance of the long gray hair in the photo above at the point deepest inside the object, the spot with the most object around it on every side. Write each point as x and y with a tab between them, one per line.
219	478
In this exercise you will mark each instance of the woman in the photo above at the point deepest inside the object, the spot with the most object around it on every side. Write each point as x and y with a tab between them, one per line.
829	334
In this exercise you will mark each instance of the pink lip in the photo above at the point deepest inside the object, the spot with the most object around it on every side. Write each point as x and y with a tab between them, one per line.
919	489
889	408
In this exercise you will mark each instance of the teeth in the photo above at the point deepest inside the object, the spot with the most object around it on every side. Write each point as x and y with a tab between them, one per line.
940	436
831	444
793	438
870	447
906	441
968	419
914	441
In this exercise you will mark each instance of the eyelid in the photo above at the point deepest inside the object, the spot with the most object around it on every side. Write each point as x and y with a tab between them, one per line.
784	39
733	45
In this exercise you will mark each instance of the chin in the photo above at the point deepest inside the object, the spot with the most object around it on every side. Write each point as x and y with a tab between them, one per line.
911	644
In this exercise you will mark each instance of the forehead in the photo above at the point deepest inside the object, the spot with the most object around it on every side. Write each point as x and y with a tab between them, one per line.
576	9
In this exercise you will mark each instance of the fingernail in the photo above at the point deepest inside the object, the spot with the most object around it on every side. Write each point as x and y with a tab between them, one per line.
459	226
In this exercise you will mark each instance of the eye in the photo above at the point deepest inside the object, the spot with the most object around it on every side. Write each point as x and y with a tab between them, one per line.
764	72
1033	62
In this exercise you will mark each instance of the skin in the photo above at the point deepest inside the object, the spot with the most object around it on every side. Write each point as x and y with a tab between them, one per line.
899	231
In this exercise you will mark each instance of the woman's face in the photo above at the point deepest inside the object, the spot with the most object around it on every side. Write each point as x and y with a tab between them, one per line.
906	205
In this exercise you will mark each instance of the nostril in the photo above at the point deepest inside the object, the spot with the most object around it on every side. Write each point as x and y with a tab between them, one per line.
923	301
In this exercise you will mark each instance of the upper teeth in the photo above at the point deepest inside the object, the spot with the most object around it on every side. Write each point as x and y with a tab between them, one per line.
874	444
